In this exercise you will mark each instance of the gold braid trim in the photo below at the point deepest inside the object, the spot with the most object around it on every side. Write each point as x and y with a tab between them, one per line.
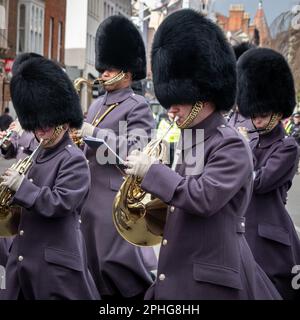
57	131
271	125
198	106
97	120
111	81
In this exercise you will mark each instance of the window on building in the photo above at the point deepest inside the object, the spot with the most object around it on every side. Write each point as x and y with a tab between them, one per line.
30	27
93	7
59	41
97	8
22	20
3	23
50	41
3	12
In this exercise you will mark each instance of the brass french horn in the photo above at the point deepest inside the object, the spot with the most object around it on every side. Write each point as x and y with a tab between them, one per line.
138	216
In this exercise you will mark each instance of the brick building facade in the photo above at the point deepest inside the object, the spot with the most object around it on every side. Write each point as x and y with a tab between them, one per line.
239	25
30	26
54	32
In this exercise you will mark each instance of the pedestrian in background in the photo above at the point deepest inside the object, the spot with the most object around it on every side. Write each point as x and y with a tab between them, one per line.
5	120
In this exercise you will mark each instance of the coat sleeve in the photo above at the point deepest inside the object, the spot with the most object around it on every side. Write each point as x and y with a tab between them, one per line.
227	169
11	151
279	168
140	122
69	191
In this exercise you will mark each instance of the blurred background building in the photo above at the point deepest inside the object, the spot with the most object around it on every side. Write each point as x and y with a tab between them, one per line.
29	26
64	31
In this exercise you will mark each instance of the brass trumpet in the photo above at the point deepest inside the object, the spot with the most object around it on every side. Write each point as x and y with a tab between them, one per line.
78	141
98	81
10	214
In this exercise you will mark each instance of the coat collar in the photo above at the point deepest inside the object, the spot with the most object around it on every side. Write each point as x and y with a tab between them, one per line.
117	96
266	140
49	153
208	127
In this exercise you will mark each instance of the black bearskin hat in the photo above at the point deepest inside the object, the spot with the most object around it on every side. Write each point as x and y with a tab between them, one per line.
192	61
23	57
265	83
43	95
241	48
119	45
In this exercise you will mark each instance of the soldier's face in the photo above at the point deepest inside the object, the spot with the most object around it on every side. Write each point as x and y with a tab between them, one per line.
111	73
44	133
181	111
108	74
261	121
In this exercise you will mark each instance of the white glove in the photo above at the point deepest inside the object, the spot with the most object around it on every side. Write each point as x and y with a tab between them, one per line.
15	126
86	130
244	132
138	163
12	179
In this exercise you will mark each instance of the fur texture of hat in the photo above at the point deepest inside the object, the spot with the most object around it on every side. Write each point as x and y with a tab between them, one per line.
22	58
265	83
241	48
120	46
44	96
192	61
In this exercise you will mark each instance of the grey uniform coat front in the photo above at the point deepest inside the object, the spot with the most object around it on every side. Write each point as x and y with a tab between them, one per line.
48	256
118	267
204	254
270	231
20	147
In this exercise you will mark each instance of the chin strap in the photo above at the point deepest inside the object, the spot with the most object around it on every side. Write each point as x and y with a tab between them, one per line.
57	131
271	125
197	107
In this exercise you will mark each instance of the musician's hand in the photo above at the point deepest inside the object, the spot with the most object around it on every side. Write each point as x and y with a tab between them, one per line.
15	126
138	163
2	134
12	179
86	130
244	132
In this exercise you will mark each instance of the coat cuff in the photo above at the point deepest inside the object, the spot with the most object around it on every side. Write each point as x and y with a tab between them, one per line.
161	181
26	194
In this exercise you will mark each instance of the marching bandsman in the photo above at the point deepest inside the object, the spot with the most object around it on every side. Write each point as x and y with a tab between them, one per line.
19	145
48	256
204	254
267	95
236	119
120	270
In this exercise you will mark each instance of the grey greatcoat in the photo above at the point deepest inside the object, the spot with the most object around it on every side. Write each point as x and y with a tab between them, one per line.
270	231
20	147
48	256
118	267
204	254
